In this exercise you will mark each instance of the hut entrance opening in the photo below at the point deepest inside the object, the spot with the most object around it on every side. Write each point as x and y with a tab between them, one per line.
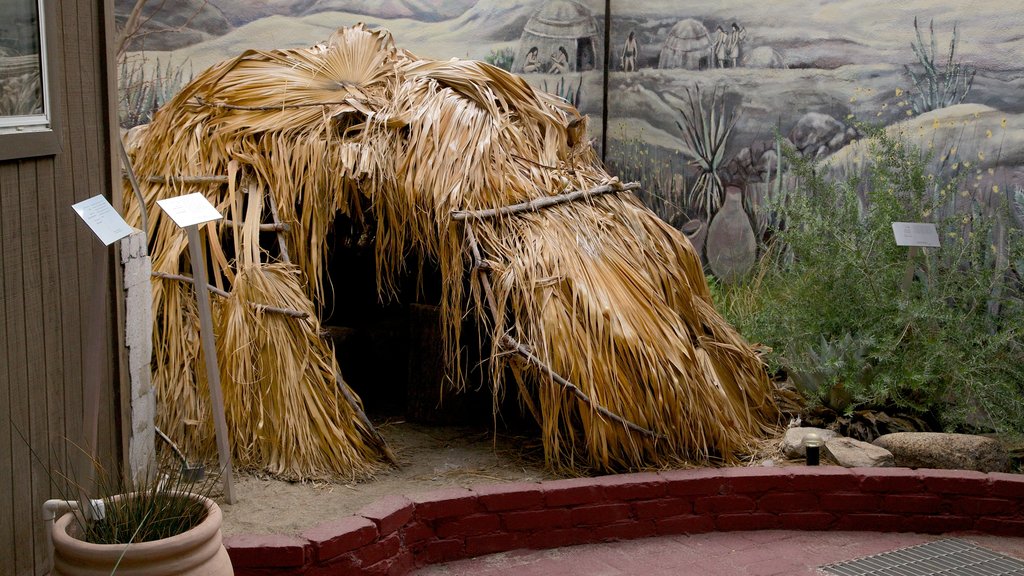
391	351
585	54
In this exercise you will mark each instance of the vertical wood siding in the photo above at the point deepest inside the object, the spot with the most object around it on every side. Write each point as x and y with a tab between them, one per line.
46	272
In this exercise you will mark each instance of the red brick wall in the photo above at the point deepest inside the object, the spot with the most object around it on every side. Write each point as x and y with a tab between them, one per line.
397	534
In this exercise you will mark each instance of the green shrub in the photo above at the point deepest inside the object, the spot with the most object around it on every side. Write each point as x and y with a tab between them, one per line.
829	295
501	58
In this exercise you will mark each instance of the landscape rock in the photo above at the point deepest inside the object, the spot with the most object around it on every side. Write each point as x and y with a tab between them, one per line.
819	135
856	454
793	442
764	57
946	451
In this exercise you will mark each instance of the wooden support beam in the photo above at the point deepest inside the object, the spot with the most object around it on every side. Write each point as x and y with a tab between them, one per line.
544	202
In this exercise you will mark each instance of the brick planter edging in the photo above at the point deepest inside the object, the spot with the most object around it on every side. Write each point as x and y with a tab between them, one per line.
397	534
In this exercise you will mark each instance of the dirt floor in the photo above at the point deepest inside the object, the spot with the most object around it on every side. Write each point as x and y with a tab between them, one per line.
430	457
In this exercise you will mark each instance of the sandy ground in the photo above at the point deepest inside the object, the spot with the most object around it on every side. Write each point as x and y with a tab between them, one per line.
430	458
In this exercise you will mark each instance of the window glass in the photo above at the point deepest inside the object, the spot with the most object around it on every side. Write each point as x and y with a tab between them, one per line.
23	91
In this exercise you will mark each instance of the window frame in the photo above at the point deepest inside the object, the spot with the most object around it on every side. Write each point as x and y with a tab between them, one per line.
38	135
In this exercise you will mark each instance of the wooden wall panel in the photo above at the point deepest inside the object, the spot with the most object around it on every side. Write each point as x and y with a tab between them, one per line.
46	272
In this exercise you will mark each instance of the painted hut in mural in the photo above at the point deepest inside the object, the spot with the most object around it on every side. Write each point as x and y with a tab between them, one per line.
595	311
562	36
688	46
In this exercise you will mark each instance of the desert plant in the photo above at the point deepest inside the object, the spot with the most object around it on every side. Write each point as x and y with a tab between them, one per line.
502	58
565	90
838	311
143	87
706	125
938	87
659	170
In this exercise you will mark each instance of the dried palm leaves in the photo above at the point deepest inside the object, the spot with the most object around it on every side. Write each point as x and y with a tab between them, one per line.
598	309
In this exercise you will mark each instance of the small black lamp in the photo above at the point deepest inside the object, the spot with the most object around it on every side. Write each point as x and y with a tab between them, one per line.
812	445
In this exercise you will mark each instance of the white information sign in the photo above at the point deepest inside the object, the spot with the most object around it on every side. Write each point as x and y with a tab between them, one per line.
102	219
189	210
915	234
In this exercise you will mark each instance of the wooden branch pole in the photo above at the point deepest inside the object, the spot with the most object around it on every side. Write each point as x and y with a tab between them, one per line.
217	179
210	353
279	228
521	349
222	293
275	227
382	445
544	202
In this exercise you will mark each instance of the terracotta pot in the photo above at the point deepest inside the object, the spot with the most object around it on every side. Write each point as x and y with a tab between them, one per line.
730	246
197	551
696	232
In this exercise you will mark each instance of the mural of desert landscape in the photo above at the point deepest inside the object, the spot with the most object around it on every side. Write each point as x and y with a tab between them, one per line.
712	272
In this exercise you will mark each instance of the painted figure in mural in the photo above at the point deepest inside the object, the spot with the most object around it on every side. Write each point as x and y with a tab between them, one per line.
629	53
532	63
559	61
719	48
736	37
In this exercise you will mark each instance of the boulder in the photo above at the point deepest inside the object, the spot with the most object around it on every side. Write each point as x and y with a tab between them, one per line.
763	57
856	454
946	451
793	442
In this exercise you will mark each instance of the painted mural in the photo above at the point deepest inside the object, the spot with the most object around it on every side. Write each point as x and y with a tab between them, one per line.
699	90
557	45
814	73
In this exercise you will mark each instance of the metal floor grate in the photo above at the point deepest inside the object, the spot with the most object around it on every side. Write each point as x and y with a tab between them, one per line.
950	556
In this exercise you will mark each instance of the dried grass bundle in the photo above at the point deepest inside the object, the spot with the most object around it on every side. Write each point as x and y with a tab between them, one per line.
597	292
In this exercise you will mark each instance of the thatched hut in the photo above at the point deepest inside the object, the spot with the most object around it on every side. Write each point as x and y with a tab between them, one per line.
688	46
594	309
559	25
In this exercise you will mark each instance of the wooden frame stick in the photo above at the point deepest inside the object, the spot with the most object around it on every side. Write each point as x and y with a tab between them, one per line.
544	202
210	353
222	293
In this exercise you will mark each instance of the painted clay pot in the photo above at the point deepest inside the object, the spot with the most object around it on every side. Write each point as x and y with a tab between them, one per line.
731	248
696	232
195	552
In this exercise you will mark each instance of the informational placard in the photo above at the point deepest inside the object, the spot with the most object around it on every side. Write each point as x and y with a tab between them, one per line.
189	210
102	219
915	234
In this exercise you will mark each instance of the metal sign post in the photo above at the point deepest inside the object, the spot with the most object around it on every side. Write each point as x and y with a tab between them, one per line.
188	212
916	235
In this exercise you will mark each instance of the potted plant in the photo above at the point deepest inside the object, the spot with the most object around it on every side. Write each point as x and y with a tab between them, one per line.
164	526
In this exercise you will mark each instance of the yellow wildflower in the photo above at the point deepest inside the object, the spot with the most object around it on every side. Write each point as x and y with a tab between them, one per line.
952	151
995	188
1003	123
981	155
910	112
853	99
936	123
899	92
988	133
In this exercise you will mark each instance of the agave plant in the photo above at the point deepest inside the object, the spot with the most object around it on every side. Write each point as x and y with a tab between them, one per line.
706	126
938	87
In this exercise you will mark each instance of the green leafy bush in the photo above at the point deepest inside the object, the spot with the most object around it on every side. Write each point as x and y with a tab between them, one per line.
831	297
